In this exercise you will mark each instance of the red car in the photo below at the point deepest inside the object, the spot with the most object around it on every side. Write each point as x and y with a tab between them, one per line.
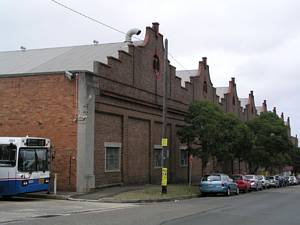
241	181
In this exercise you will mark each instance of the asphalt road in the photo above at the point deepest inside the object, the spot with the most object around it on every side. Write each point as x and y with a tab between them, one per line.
269	207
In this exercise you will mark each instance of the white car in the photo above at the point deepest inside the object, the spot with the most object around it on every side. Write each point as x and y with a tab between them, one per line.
264	181
293	180
255	183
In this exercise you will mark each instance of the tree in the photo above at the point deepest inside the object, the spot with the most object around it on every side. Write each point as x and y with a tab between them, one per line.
201	130
271	144
295	159
209	132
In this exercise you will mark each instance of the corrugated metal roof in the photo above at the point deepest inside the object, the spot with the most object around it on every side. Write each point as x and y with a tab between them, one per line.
58	59
244	101
259	109
185	75
221	91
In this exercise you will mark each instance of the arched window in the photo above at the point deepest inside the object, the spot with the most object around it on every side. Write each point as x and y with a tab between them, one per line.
205	86
156	64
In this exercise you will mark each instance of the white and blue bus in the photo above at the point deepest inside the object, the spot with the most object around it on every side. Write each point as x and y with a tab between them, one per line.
24	165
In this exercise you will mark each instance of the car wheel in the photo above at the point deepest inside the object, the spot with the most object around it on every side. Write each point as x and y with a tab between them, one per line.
228	192
203	194
237	191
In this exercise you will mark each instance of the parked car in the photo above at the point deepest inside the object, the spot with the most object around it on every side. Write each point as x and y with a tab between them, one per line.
218	183
264	181
255	183
286	180
281	180
242	182
293	180
273	182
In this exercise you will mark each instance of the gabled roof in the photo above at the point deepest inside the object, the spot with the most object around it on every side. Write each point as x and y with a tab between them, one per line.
57	59
244	102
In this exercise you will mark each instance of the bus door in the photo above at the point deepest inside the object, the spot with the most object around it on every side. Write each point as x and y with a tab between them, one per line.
7	169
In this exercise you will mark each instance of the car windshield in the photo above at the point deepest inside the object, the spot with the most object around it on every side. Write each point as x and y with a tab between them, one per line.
249	177
7	155
237	177
211	178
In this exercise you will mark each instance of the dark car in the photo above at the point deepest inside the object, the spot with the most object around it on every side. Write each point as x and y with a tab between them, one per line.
280	180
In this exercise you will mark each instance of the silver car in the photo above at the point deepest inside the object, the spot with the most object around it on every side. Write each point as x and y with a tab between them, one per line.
273	181
293	180
255	183
264	181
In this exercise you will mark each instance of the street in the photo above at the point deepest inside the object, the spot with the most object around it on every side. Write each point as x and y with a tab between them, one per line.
268	207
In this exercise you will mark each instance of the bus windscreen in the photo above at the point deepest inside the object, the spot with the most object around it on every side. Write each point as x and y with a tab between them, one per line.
33	159
7	155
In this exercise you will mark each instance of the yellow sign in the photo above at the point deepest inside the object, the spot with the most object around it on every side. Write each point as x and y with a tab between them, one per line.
164	176
164	142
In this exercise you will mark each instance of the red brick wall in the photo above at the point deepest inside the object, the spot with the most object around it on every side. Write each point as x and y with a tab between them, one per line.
109	130
138	151
43	105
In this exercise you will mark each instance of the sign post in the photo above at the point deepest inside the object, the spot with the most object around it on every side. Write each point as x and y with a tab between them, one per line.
164	169
190	170
164	140
164	180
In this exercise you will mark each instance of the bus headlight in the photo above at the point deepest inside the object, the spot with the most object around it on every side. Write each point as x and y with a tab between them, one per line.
24	182
46	181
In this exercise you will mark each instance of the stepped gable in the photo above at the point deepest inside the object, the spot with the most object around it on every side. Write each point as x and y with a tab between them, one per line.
262	108
138	74
229	99
202	87
250	108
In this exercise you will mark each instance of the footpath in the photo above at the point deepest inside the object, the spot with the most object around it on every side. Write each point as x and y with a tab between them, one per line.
127	194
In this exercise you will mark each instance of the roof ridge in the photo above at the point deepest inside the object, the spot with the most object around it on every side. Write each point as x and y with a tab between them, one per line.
56	47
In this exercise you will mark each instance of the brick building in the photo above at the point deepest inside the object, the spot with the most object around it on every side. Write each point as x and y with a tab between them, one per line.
101	106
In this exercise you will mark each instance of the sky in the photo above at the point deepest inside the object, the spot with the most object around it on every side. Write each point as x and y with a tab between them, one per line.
255	41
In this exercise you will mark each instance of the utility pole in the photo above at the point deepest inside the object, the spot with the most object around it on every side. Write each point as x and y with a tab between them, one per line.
164	140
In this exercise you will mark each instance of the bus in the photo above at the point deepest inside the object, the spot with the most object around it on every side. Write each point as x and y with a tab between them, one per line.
24	165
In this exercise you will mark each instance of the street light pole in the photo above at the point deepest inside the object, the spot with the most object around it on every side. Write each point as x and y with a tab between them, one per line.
164	143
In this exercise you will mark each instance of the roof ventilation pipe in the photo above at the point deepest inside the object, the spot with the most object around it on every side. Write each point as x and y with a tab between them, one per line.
134	31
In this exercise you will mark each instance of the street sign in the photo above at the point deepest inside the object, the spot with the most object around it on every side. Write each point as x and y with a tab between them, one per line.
164	142
164	177
191	159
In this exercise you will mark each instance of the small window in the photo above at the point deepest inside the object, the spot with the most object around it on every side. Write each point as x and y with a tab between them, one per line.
205	86
8	155
112	157
233	100
156	64
158	156
184	157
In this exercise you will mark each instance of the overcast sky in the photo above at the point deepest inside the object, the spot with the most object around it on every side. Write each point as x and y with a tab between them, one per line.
255	41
